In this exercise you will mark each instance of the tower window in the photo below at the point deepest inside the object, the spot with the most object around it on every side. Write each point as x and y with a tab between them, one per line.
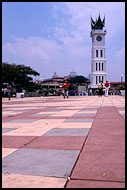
102	66
101	53
96	80
99	67
96	66
102	79
99	78
97	53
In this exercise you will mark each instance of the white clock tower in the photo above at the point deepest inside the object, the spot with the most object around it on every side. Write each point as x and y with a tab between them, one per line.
98	58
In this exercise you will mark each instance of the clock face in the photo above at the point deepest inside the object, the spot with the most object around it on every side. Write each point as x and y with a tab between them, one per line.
99	38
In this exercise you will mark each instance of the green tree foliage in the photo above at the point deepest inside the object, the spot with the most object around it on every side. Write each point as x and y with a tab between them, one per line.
121	87
78	80
18	75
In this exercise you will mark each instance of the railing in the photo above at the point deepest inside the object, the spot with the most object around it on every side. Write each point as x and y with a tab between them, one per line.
98	31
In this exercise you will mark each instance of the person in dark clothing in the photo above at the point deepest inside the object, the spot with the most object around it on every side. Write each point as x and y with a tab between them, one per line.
100	88
9	94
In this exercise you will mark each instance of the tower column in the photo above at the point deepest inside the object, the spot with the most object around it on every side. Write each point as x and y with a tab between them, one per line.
98	58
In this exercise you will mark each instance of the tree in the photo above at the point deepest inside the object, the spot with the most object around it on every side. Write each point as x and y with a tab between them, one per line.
18	75
78	80
121	87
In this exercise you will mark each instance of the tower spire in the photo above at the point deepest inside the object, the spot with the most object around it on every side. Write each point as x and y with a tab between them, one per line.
98	24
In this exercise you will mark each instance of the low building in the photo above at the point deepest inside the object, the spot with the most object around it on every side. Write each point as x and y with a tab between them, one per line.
54	85
114	87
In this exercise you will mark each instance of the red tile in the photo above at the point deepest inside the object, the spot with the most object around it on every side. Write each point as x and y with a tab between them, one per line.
93	184
100	165
105	141
58	142
16	141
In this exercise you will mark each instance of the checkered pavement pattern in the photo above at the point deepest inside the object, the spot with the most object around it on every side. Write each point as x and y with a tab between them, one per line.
43	138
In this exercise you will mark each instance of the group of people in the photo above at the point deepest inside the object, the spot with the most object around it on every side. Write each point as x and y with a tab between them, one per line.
100	88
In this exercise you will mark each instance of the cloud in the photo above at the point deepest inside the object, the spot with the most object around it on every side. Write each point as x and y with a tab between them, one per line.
46	55
79	15
68	43
121	54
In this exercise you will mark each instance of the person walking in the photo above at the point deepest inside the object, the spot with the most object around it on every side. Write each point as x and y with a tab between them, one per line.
106	88
9	94
67	93
65	90
100	88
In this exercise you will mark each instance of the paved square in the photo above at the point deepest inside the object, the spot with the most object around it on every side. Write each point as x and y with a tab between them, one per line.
67	132
57	163
52	138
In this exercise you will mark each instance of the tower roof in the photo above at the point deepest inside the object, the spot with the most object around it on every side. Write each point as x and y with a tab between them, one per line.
98	24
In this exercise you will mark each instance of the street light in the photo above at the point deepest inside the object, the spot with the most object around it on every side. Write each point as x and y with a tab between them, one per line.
121	77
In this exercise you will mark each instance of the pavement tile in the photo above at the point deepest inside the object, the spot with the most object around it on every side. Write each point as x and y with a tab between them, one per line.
87	111
40	115
7	151
16	141
111	117
105	141
109	124
65	113
29	181
5	115
57	142
4	130
18	125
67	132
30	131
121	108
84	114
51	111
78	120
56	163
17	109
100	165
94	110
123	116
46	112
22	121
94	184
75	125
50	122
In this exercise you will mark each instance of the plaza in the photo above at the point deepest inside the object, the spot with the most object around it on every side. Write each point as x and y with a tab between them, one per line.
52	142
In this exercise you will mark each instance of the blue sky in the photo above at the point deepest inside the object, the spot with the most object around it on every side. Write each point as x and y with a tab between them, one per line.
55	36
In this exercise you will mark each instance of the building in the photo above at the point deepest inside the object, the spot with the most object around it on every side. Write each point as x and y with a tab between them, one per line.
55	83
98	58
114	87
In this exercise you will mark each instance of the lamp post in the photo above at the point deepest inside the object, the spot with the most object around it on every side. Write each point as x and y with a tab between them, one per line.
121	77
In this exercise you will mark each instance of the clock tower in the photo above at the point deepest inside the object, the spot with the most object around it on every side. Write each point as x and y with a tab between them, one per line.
98	58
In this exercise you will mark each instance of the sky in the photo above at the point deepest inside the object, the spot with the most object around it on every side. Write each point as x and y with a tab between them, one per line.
55	36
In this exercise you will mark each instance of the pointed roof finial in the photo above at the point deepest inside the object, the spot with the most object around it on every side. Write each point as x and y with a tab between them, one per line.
104	20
